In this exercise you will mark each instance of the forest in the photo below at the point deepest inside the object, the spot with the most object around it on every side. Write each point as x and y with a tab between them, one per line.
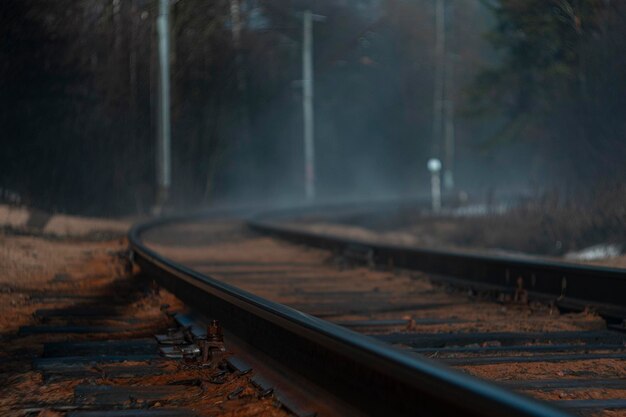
535	90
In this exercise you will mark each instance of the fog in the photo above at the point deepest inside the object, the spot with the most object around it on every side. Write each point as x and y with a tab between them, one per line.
532	100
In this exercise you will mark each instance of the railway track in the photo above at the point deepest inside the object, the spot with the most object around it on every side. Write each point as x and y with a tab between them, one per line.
527	345
332	327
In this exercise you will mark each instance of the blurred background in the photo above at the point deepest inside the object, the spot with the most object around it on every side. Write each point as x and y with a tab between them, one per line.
515	97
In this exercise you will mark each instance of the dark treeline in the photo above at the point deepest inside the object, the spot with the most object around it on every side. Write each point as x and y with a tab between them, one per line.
78	96
75	103
560	84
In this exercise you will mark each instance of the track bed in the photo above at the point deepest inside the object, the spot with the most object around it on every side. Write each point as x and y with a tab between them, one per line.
570	359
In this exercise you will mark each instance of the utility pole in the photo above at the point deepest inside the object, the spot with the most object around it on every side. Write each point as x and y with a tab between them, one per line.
163	162
438	98
449	131
307	105
443	100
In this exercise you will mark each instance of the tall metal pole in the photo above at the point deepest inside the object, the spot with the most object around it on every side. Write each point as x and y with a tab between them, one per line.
307	105
438	98
163	163
449	131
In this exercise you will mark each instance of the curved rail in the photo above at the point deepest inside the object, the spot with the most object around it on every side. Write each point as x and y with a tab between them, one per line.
569	285
372	376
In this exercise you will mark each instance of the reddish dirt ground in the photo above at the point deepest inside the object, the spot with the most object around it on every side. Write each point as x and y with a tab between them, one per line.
38	269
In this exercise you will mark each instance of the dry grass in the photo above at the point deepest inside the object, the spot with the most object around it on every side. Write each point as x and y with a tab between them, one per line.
550	225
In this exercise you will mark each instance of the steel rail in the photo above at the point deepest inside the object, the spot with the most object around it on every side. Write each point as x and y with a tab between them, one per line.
372	376
569	285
